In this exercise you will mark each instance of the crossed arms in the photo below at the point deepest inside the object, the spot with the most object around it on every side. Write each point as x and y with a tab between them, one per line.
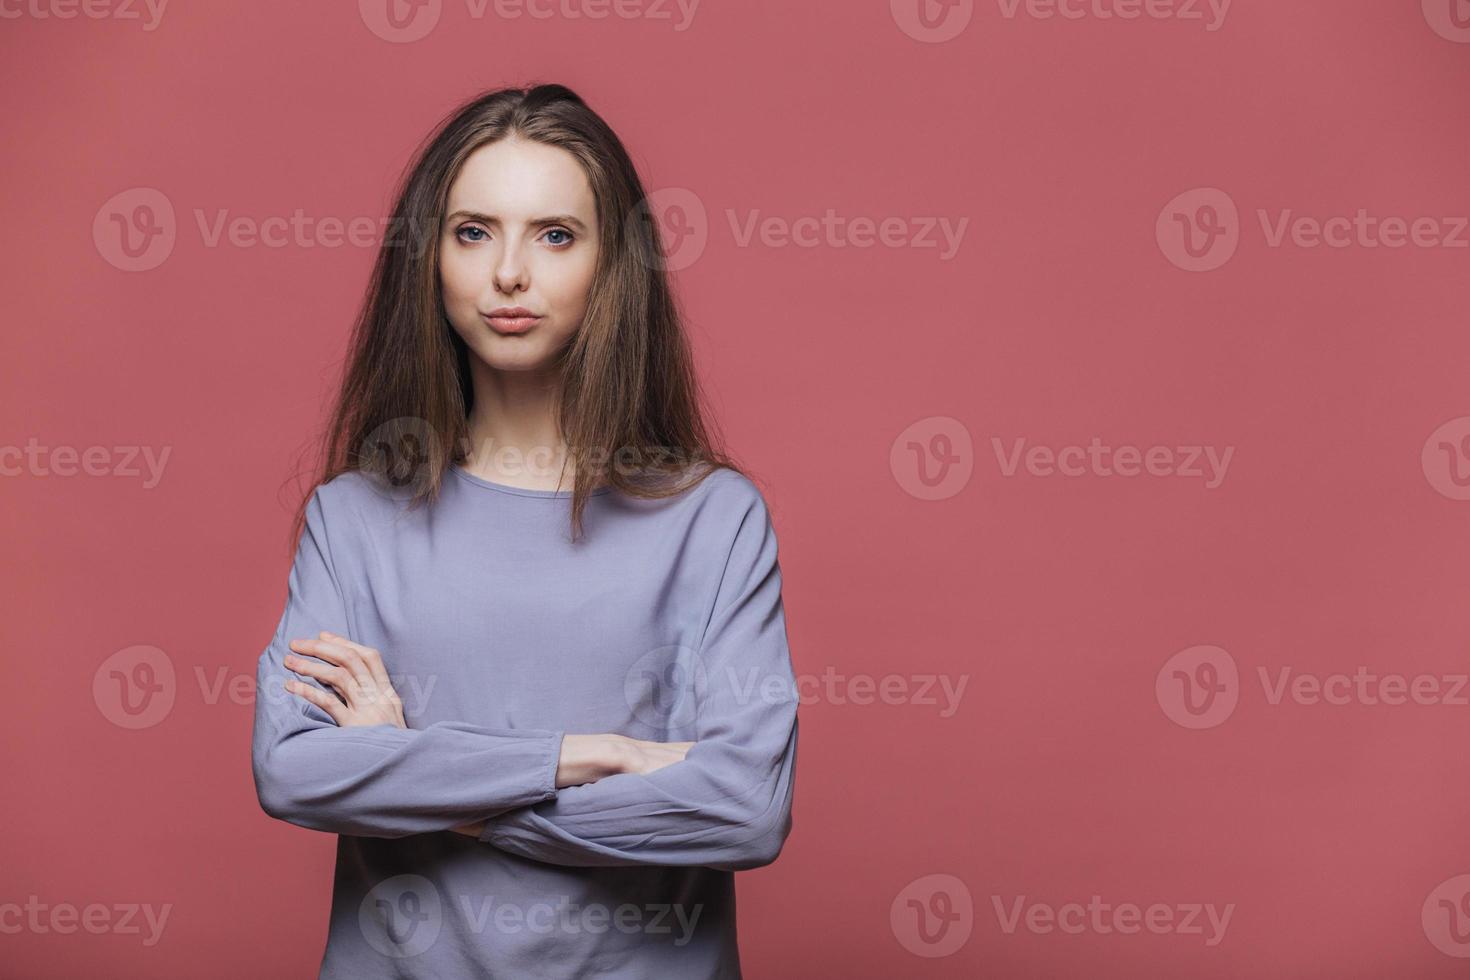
725	805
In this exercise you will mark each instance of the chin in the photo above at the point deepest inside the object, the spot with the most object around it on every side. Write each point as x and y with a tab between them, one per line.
502	360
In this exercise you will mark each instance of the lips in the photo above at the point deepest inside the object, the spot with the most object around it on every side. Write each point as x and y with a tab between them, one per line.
511	320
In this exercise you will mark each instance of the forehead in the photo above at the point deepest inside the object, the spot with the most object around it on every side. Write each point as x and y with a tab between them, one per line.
513	178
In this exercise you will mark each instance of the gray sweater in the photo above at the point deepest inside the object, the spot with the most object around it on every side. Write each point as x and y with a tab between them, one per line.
665	622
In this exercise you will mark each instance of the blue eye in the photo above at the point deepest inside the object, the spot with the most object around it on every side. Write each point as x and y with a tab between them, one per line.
471	234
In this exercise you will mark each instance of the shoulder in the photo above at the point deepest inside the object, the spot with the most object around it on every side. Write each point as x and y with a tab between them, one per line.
359	492
338	496
732	512
351	502
731	493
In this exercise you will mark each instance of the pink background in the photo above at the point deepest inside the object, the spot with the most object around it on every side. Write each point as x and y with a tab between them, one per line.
1072	765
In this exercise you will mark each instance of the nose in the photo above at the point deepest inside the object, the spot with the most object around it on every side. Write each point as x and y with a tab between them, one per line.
510	273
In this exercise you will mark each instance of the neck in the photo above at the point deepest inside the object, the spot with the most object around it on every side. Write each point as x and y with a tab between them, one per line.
513	430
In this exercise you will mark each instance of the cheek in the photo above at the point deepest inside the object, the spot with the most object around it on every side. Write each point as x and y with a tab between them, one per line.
456	280
576	285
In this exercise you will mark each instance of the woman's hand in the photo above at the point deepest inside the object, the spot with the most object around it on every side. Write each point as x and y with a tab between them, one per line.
643	757
356	672
588	758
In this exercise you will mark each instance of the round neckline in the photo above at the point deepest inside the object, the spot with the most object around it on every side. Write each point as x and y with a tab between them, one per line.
517	491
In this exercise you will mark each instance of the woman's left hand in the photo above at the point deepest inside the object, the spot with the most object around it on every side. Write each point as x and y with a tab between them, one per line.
356	672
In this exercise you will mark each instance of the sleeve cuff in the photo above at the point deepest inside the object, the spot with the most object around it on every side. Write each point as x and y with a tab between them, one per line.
547	783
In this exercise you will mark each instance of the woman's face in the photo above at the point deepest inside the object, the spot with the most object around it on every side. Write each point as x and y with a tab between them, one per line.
520	231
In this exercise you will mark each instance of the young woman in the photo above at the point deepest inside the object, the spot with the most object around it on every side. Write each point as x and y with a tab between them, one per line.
548	706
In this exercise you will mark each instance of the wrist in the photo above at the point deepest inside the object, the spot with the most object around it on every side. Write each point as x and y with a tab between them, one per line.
614	755
587	758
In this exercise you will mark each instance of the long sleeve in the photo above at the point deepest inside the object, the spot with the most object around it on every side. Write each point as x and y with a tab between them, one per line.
727	804
379	780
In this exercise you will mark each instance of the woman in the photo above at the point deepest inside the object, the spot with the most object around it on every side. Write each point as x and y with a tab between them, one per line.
547	723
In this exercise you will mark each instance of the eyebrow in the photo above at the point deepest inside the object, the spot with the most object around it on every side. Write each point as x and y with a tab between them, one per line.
553	219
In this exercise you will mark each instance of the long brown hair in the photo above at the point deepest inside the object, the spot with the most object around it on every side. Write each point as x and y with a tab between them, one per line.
628	387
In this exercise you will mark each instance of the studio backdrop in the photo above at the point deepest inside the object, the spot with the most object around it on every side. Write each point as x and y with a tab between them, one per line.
1102	364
